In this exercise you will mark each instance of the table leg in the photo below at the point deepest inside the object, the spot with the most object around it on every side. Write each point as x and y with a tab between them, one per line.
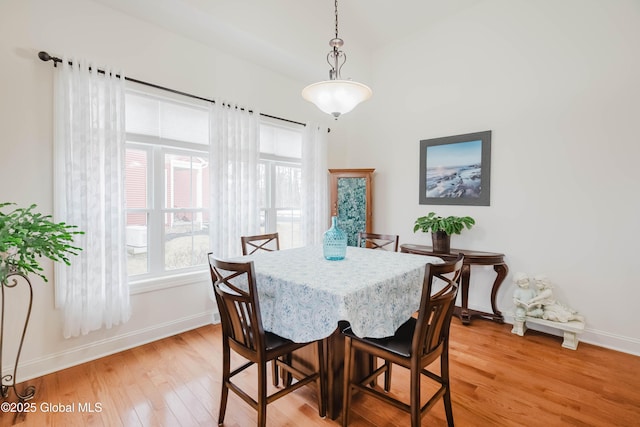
501	271
333	349
335	365
464	314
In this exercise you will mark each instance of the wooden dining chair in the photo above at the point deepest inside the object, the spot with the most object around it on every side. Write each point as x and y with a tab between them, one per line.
415	345
236	294
387	242
260	242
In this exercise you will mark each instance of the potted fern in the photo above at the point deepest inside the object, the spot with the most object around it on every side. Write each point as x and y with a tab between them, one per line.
442	228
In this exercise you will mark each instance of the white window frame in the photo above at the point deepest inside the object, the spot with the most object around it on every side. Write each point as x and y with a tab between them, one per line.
157	276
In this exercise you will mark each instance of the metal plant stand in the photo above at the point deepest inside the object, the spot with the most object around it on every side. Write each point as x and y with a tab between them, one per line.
14	280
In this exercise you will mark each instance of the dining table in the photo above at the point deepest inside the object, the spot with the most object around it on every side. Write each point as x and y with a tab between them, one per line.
304	297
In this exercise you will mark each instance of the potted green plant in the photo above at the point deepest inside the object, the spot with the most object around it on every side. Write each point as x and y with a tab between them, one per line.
26	236
442	228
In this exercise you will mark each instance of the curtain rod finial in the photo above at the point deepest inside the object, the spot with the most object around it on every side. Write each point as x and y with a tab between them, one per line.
44	56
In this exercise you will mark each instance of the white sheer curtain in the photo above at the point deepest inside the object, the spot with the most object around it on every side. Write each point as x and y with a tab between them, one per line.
315	203
234	177
89	136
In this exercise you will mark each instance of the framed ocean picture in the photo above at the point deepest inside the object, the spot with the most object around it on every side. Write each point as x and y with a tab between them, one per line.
456	170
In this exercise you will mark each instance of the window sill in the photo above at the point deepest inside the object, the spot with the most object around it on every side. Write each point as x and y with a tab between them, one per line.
165	282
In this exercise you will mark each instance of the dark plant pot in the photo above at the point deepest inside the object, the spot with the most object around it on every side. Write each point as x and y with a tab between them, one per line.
441	242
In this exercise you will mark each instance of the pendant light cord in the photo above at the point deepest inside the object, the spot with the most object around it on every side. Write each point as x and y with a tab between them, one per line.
336	13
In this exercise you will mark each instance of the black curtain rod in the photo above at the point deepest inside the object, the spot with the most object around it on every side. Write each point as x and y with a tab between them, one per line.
44	56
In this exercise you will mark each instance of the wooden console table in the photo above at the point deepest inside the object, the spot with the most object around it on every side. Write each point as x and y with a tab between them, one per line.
470	258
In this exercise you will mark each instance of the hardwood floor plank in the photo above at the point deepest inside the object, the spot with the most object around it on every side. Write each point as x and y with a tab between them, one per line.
497	379
141	405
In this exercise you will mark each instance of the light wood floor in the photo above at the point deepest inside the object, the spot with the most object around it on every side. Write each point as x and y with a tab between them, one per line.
498	379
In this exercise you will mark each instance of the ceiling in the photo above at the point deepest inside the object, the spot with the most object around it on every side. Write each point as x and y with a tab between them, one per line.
292	36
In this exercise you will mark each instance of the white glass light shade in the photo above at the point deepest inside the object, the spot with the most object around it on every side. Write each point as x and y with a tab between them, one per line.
336	97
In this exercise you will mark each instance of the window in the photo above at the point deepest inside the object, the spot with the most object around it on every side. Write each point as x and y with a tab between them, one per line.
167	185
280	182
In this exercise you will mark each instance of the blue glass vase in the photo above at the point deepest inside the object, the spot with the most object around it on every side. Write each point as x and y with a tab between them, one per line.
334	242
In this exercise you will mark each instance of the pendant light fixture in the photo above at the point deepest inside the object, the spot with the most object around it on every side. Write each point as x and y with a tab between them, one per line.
336	96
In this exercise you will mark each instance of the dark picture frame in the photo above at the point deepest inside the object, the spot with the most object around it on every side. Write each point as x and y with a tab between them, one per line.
456	170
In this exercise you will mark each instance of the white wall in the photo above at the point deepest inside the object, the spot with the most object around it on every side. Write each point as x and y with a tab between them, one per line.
89	30
557	83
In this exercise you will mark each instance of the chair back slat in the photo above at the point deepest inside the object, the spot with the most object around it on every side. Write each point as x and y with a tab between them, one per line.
261	242
235	291
387	242
434	315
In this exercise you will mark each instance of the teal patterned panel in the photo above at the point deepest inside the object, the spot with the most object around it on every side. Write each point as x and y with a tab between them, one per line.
352	207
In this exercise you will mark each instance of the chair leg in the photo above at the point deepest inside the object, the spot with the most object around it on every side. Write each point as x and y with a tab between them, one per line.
224	394
444	374
262	394
373	364
415	396
387	376
346	391
274	373
447	406
322	368
287	378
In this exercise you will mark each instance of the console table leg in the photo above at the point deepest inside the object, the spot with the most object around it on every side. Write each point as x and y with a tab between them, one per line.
501	271
471	257
465	316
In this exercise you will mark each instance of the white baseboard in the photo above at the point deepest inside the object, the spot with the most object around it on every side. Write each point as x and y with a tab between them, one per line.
591	336
38	367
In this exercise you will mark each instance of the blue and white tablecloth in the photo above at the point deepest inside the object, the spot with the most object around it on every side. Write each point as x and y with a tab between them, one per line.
303	296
